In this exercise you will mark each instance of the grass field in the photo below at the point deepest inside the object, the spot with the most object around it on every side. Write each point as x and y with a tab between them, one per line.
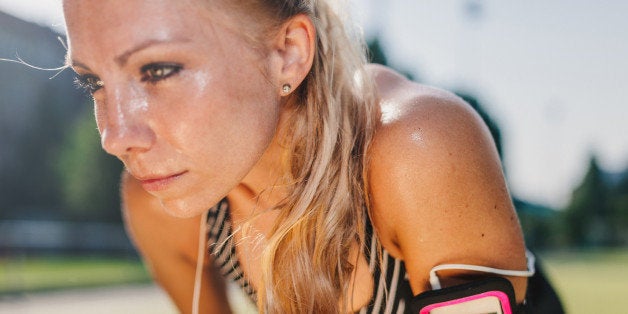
47	273
590	282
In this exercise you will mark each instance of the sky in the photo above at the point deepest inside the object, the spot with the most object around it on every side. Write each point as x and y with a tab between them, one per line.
552	73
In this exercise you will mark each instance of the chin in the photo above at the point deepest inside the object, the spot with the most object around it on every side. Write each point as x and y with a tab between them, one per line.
183	209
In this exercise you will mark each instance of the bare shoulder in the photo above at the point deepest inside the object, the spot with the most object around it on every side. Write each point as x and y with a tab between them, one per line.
426	115
426	134
437	189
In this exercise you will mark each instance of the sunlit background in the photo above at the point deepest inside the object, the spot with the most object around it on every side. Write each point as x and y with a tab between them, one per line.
550	77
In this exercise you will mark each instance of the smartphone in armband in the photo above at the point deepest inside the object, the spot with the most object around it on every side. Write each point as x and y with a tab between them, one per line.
493	295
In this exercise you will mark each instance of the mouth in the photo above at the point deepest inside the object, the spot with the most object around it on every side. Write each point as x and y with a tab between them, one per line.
160	183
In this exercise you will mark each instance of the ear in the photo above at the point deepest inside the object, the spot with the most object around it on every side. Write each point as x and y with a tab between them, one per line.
293	50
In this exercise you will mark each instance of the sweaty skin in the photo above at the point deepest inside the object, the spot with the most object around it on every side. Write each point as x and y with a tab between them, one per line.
189	137
196	113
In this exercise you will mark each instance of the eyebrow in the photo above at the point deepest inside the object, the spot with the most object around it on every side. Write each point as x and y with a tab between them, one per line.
74	64
122	58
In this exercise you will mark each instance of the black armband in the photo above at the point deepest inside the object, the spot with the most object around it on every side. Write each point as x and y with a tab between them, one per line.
494	295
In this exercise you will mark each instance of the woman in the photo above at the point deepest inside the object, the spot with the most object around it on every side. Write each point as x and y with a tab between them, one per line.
332	186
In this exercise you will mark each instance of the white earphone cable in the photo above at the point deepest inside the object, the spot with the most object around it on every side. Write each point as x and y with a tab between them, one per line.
200	259
435	282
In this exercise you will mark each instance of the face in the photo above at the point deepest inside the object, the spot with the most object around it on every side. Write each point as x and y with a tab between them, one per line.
180	98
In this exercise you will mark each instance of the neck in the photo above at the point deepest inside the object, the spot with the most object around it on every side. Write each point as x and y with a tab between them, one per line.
265	183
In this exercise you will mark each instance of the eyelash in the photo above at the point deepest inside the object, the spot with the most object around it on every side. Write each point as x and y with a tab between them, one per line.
155	72
151	73
89	83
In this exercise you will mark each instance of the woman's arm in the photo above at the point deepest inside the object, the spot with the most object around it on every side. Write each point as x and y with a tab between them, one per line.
438	191
169	248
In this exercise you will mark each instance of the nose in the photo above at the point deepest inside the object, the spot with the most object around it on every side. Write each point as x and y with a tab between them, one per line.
124	123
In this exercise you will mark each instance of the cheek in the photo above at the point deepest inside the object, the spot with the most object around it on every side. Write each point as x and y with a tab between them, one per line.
239	133
230	117
221	131
221	156
229	114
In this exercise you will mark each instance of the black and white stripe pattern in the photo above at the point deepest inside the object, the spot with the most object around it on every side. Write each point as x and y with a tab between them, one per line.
392	289
222	247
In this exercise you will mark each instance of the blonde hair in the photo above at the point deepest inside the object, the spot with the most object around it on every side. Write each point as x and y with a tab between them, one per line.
305	266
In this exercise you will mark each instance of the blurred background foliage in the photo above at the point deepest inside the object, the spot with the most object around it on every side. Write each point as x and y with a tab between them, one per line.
58	189
89	178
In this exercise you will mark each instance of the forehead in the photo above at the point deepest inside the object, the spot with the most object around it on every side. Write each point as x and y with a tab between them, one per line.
112	14
94	26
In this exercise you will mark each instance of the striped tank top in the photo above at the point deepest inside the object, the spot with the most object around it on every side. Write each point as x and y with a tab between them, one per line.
392	291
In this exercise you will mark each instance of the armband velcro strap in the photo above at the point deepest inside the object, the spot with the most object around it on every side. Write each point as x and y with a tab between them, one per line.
491	295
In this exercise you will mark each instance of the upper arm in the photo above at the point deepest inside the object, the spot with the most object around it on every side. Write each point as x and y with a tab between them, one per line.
169	247
438	191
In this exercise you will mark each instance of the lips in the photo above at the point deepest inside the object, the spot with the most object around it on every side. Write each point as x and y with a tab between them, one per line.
159	182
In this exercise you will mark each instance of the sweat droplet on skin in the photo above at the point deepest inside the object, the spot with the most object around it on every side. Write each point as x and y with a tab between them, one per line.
201	79
417	137
139	100
390	112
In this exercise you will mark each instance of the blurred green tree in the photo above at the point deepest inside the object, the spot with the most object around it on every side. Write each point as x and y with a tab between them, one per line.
619	204
541	225
376	52
588	218
89	177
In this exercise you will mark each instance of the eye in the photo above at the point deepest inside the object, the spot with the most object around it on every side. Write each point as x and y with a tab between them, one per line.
89	83
156	72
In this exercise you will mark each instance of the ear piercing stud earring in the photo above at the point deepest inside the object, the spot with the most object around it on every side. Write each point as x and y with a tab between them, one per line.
286	88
